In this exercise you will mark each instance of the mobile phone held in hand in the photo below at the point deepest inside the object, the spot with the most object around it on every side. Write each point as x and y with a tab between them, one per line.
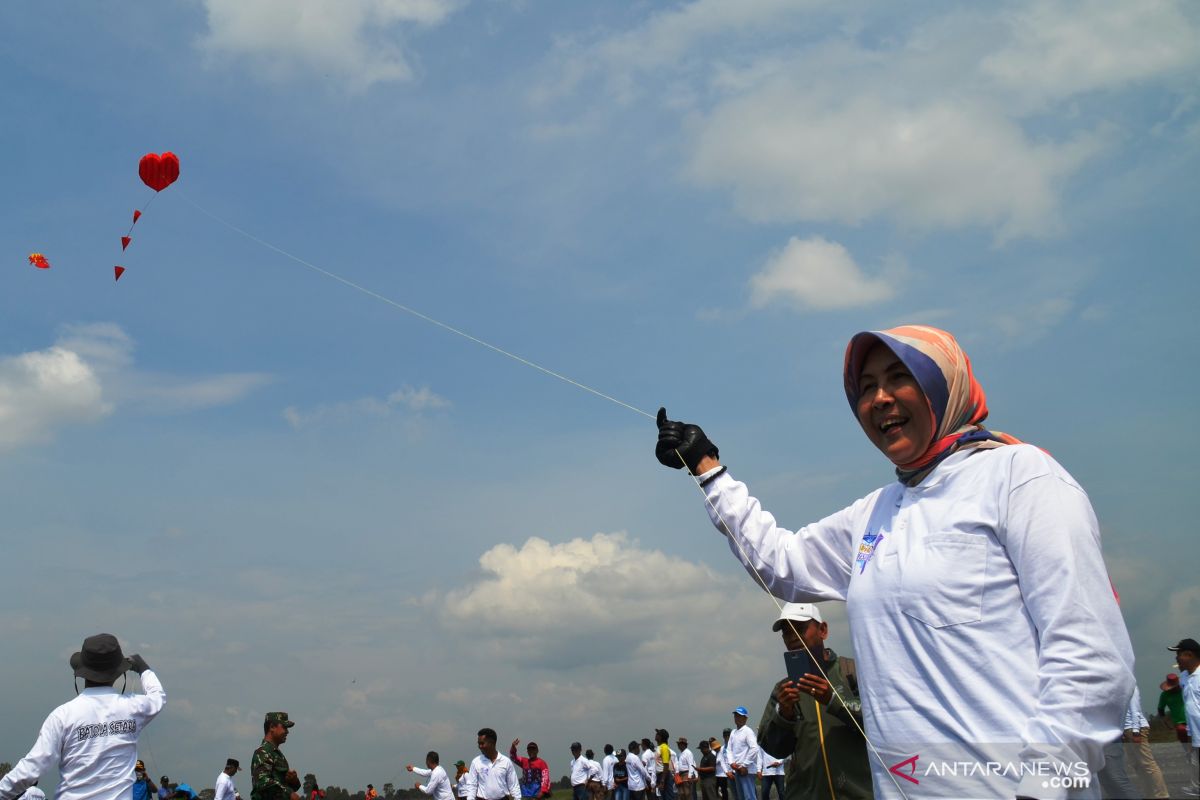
799	663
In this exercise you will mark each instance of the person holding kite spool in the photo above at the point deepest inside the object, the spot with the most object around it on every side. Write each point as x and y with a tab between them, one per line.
984	624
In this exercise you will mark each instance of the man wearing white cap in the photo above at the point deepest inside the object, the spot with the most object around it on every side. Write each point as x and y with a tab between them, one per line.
812	721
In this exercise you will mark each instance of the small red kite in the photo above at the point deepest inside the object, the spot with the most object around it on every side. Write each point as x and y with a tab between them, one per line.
39	261
117	273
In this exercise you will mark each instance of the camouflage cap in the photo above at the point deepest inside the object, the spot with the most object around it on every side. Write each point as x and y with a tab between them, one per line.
278	716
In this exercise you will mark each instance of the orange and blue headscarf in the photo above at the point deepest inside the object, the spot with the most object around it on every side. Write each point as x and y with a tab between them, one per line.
957	403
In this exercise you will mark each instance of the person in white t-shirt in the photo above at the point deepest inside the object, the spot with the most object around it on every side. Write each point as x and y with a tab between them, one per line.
685	766
726	786
985	551
579	772
743	756
771	769
639	779
595	782
650	762
92	740
492	775
606	771
438	786
225	788
1187	654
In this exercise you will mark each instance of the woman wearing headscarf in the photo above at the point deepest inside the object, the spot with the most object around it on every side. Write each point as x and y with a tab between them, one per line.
992	658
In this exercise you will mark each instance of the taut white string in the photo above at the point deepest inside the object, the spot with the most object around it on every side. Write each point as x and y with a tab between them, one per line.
565	379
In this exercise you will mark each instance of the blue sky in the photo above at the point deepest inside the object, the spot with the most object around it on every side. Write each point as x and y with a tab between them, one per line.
289	495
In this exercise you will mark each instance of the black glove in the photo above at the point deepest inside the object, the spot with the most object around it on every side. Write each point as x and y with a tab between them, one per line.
138	664
687	439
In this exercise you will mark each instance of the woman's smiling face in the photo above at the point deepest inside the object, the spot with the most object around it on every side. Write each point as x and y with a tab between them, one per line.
891	407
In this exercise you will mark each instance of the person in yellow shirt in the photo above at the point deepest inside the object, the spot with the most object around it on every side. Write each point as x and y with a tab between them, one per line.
666	775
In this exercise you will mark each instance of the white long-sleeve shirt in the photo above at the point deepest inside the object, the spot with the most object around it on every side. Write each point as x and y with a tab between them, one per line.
225	788
685	764
723	761
650	762
979	606
1135	718
606	771
1191	703
769	764
492	780
92	740
639	779
579	771
743	748
439	782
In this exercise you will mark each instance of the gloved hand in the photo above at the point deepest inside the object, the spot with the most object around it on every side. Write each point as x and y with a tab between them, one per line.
689	440
138	664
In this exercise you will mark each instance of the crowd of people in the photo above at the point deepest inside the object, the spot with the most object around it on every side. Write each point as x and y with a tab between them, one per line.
808	743
993	660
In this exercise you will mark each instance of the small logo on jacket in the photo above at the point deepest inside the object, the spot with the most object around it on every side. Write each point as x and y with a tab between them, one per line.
866	549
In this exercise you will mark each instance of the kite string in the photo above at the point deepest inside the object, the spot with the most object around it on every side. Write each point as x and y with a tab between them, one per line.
565	379
140	212
412	311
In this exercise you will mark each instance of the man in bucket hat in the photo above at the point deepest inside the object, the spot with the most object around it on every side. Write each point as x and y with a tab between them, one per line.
92	740
271	777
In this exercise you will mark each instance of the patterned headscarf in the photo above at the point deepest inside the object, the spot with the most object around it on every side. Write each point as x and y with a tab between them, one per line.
957	404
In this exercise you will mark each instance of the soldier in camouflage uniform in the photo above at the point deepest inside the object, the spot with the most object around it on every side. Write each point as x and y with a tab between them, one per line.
271	777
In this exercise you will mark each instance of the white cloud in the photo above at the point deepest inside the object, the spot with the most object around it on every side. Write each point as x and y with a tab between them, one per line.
415	400
1059	49
167	394
603	600
817	274
422	399
803	113
1025	324
45	390
358	40
681	35
86	375
788	152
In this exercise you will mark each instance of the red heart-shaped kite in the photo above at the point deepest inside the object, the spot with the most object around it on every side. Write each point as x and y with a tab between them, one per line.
159	172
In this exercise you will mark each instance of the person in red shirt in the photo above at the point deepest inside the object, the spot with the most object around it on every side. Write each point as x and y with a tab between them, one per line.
535	773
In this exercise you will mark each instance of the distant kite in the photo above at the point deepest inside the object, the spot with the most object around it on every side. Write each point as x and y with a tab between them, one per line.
39	261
